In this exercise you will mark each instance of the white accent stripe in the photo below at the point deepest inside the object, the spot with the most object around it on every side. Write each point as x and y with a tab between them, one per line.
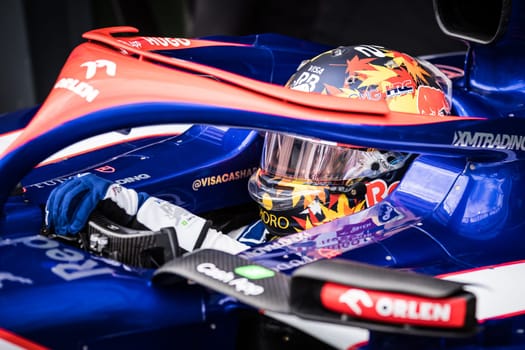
112	138
102	140
6	345
499	289
7	138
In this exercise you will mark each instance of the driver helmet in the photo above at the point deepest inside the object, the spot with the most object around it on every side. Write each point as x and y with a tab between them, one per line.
303	182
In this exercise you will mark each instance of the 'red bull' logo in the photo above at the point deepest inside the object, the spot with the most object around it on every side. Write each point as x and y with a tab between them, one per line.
377	190
432	101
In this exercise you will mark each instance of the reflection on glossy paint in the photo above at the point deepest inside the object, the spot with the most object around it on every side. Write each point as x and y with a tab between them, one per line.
479	202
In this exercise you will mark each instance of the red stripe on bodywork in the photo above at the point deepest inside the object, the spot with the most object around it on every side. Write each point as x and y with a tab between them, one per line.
138	78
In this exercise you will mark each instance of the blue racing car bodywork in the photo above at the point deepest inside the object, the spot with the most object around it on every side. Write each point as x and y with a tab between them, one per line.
181	119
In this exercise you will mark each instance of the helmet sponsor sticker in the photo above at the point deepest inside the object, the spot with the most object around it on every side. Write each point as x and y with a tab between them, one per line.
273	220
306	82
377	190
432	101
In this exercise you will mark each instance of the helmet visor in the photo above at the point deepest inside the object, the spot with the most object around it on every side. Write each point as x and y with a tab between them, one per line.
323	162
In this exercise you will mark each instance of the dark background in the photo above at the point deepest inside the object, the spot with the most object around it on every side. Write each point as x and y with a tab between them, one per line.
37	35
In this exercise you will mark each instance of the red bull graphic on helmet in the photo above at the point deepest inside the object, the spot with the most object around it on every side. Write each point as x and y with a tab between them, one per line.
376	73
431	101
377	190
